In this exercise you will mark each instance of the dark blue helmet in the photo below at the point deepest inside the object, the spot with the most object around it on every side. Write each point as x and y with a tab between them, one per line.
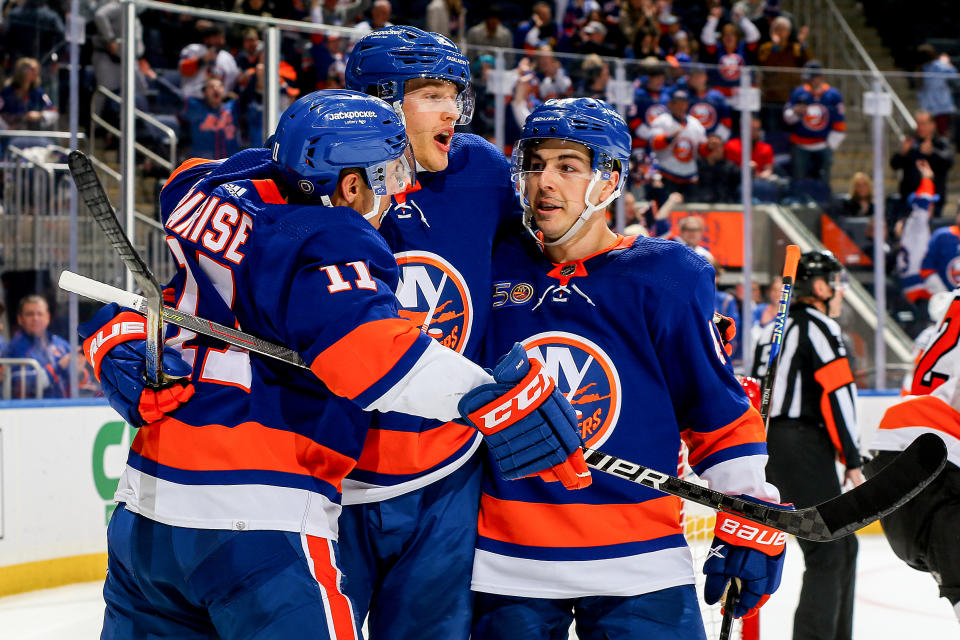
384	59
586	121
590	122
325	132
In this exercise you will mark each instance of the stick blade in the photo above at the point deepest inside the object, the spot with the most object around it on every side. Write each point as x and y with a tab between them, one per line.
896	484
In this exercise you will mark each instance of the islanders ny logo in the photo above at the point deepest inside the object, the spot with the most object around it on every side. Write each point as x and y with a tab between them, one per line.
586	376
434	295
816	117
705	113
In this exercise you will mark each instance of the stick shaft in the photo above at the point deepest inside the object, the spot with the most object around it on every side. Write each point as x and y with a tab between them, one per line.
98	204
105	293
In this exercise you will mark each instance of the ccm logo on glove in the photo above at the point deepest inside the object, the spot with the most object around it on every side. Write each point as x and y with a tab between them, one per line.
537	384
769	541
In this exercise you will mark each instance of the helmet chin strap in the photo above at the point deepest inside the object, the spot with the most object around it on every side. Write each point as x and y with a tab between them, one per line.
375	210
588	210
325	200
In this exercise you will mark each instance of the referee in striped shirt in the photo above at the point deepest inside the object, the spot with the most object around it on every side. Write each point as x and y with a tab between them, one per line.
813	425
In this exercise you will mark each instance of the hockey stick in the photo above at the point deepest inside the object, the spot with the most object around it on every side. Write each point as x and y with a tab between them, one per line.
732	594
776	344
897	483
90	189
915	468
105	293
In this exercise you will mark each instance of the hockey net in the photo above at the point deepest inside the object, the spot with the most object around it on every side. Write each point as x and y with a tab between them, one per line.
698	522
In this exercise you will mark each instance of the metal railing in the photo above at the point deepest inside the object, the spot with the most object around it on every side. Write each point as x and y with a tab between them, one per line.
40	381
169	162
834	42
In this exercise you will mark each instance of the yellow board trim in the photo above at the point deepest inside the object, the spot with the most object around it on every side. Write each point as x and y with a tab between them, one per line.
45	574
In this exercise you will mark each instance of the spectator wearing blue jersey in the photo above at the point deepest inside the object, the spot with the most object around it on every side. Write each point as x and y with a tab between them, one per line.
34	340
211	122
23	103
540	29
815	115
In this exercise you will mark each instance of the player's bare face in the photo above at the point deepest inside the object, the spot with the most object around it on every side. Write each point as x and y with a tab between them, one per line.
430	109
556	180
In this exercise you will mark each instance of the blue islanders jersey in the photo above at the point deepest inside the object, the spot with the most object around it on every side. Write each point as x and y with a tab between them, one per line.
647	105
628	336
823	115
262	444
940	269
442	234
725	77
712	111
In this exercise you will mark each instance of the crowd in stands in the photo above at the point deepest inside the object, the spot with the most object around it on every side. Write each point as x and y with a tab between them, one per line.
683	60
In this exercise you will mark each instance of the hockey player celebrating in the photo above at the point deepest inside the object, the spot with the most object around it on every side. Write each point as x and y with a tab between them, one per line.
410	511
923	533
624	325
230	502
925	261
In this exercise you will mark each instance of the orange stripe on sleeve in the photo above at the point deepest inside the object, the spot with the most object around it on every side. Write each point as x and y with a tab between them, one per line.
359	359
923	411
831	377
834	375
402	452
827	411
249	445
268	191
746	429
187	164
659	142
577	525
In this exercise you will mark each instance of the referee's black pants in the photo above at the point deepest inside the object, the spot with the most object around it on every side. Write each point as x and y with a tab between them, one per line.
802	466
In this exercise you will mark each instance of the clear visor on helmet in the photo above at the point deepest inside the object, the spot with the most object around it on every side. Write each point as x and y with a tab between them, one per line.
394	176
839	281
535	160
440	98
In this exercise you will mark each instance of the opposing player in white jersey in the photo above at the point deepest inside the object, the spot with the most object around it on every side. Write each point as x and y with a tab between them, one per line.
625	326
923	532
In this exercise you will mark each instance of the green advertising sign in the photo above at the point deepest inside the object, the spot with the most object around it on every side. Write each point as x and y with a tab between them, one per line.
110	434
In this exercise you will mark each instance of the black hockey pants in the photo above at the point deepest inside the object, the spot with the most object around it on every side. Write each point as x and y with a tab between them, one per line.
802	466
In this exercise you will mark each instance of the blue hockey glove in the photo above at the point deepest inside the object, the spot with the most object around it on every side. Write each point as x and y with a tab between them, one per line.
114	343
749	552
529	427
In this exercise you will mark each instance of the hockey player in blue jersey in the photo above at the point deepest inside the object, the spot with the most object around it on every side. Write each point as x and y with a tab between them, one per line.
624	326
410	510
230	501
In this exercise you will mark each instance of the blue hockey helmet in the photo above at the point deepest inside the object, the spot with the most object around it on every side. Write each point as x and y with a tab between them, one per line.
585	121
325	132
383	60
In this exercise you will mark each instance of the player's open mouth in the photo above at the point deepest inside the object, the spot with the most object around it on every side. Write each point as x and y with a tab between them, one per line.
443	139
545	207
